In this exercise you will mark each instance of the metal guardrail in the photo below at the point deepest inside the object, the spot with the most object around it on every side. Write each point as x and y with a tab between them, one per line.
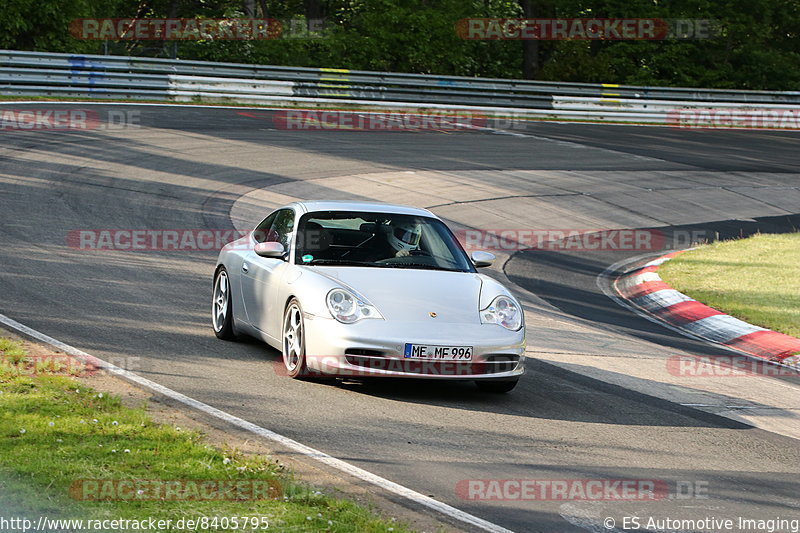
121	77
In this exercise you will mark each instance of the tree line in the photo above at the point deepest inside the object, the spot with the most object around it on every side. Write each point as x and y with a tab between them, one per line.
754	45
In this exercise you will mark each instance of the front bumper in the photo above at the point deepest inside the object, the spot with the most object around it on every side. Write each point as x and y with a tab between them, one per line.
371	348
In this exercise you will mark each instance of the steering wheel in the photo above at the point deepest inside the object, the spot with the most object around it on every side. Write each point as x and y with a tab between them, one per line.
399	260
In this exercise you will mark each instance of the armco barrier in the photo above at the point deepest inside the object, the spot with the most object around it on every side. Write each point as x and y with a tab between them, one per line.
135	78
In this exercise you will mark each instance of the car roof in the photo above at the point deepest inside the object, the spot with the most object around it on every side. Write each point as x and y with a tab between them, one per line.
370	207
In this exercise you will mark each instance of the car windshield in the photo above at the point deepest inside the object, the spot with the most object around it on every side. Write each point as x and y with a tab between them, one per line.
379	240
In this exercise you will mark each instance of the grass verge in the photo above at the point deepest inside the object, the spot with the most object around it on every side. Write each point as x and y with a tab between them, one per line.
756	279
62	442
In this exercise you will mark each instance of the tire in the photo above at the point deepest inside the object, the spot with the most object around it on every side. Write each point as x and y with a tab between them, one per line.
496	386
222	307
293	341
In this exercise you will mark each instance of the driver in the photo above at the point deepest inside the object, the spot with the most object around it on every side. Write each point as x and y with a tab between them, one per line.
403	237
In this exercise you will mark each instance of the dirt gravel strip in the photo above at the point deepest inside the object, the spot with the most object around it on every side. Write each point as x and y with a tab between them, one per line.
644	289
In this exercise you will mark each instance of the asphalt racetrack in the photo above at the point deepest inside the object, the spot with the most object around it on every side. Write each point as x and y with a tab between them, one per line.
201	168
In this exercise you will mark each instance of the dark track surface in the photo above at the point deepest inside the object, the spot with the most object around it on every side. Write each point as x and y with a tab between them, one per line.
185	167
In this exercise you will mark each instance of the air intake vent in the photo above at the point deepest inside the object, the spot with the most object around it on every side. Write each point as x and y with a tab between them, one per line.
363	351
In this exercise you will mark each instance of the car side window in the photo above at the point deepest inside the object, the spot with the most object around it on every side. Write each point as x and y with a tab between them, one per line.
281	229
262	232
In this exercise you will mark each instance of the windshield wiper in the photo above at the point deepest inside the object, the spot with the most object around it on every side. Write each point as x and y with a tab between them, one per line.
421	265
341	262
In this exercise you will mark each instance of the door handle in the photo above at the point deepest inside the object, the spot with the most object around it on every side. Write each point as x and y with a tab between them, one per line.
245	267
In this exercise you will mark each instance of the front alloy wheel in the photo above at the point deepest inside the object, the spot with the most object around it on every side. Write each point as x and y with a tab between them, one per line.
294	341
221	307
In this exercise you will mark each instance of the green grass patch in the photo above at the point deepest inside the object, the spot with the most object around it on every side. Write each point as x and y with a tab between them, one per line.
55	432
756	279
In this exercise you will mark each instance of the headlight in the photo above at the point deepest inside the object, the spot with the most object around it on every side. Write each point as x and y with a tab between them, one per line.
503	311
348	308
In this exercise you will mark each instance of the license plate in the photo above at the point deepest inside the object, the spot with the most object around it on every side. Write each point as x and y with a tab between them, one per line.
443	353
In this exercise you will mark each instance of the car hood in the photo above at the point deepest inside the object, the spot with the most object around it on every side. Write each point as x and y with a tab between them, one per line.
411	295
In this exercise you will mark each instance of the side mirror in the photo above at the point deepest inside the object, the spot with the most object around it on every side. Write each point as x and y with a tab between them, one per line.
270	249
482	259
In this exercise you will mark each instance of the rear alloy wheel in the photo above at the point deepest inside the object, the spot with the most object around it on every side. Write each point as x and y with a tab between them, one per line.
496	386
221	307
294	341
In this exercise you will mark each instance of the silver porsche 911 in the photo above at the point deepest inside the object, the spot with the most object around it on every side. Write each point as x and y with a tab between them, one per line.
352	289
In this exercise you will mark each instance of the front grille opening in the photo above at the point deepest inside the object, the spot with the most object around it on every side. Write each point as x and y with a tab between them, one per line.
501	363
364	352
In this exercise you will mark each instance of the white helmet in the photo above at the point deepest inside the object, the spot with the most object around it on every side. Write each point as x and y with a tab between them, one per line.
404	236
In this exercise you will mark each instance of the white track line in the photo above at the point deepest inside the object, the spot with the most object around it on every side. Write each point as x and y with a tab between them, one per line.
302	449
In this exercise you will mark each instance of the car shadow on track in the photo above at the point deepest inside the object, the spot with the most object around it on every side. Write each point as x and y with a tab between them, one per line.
546	392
